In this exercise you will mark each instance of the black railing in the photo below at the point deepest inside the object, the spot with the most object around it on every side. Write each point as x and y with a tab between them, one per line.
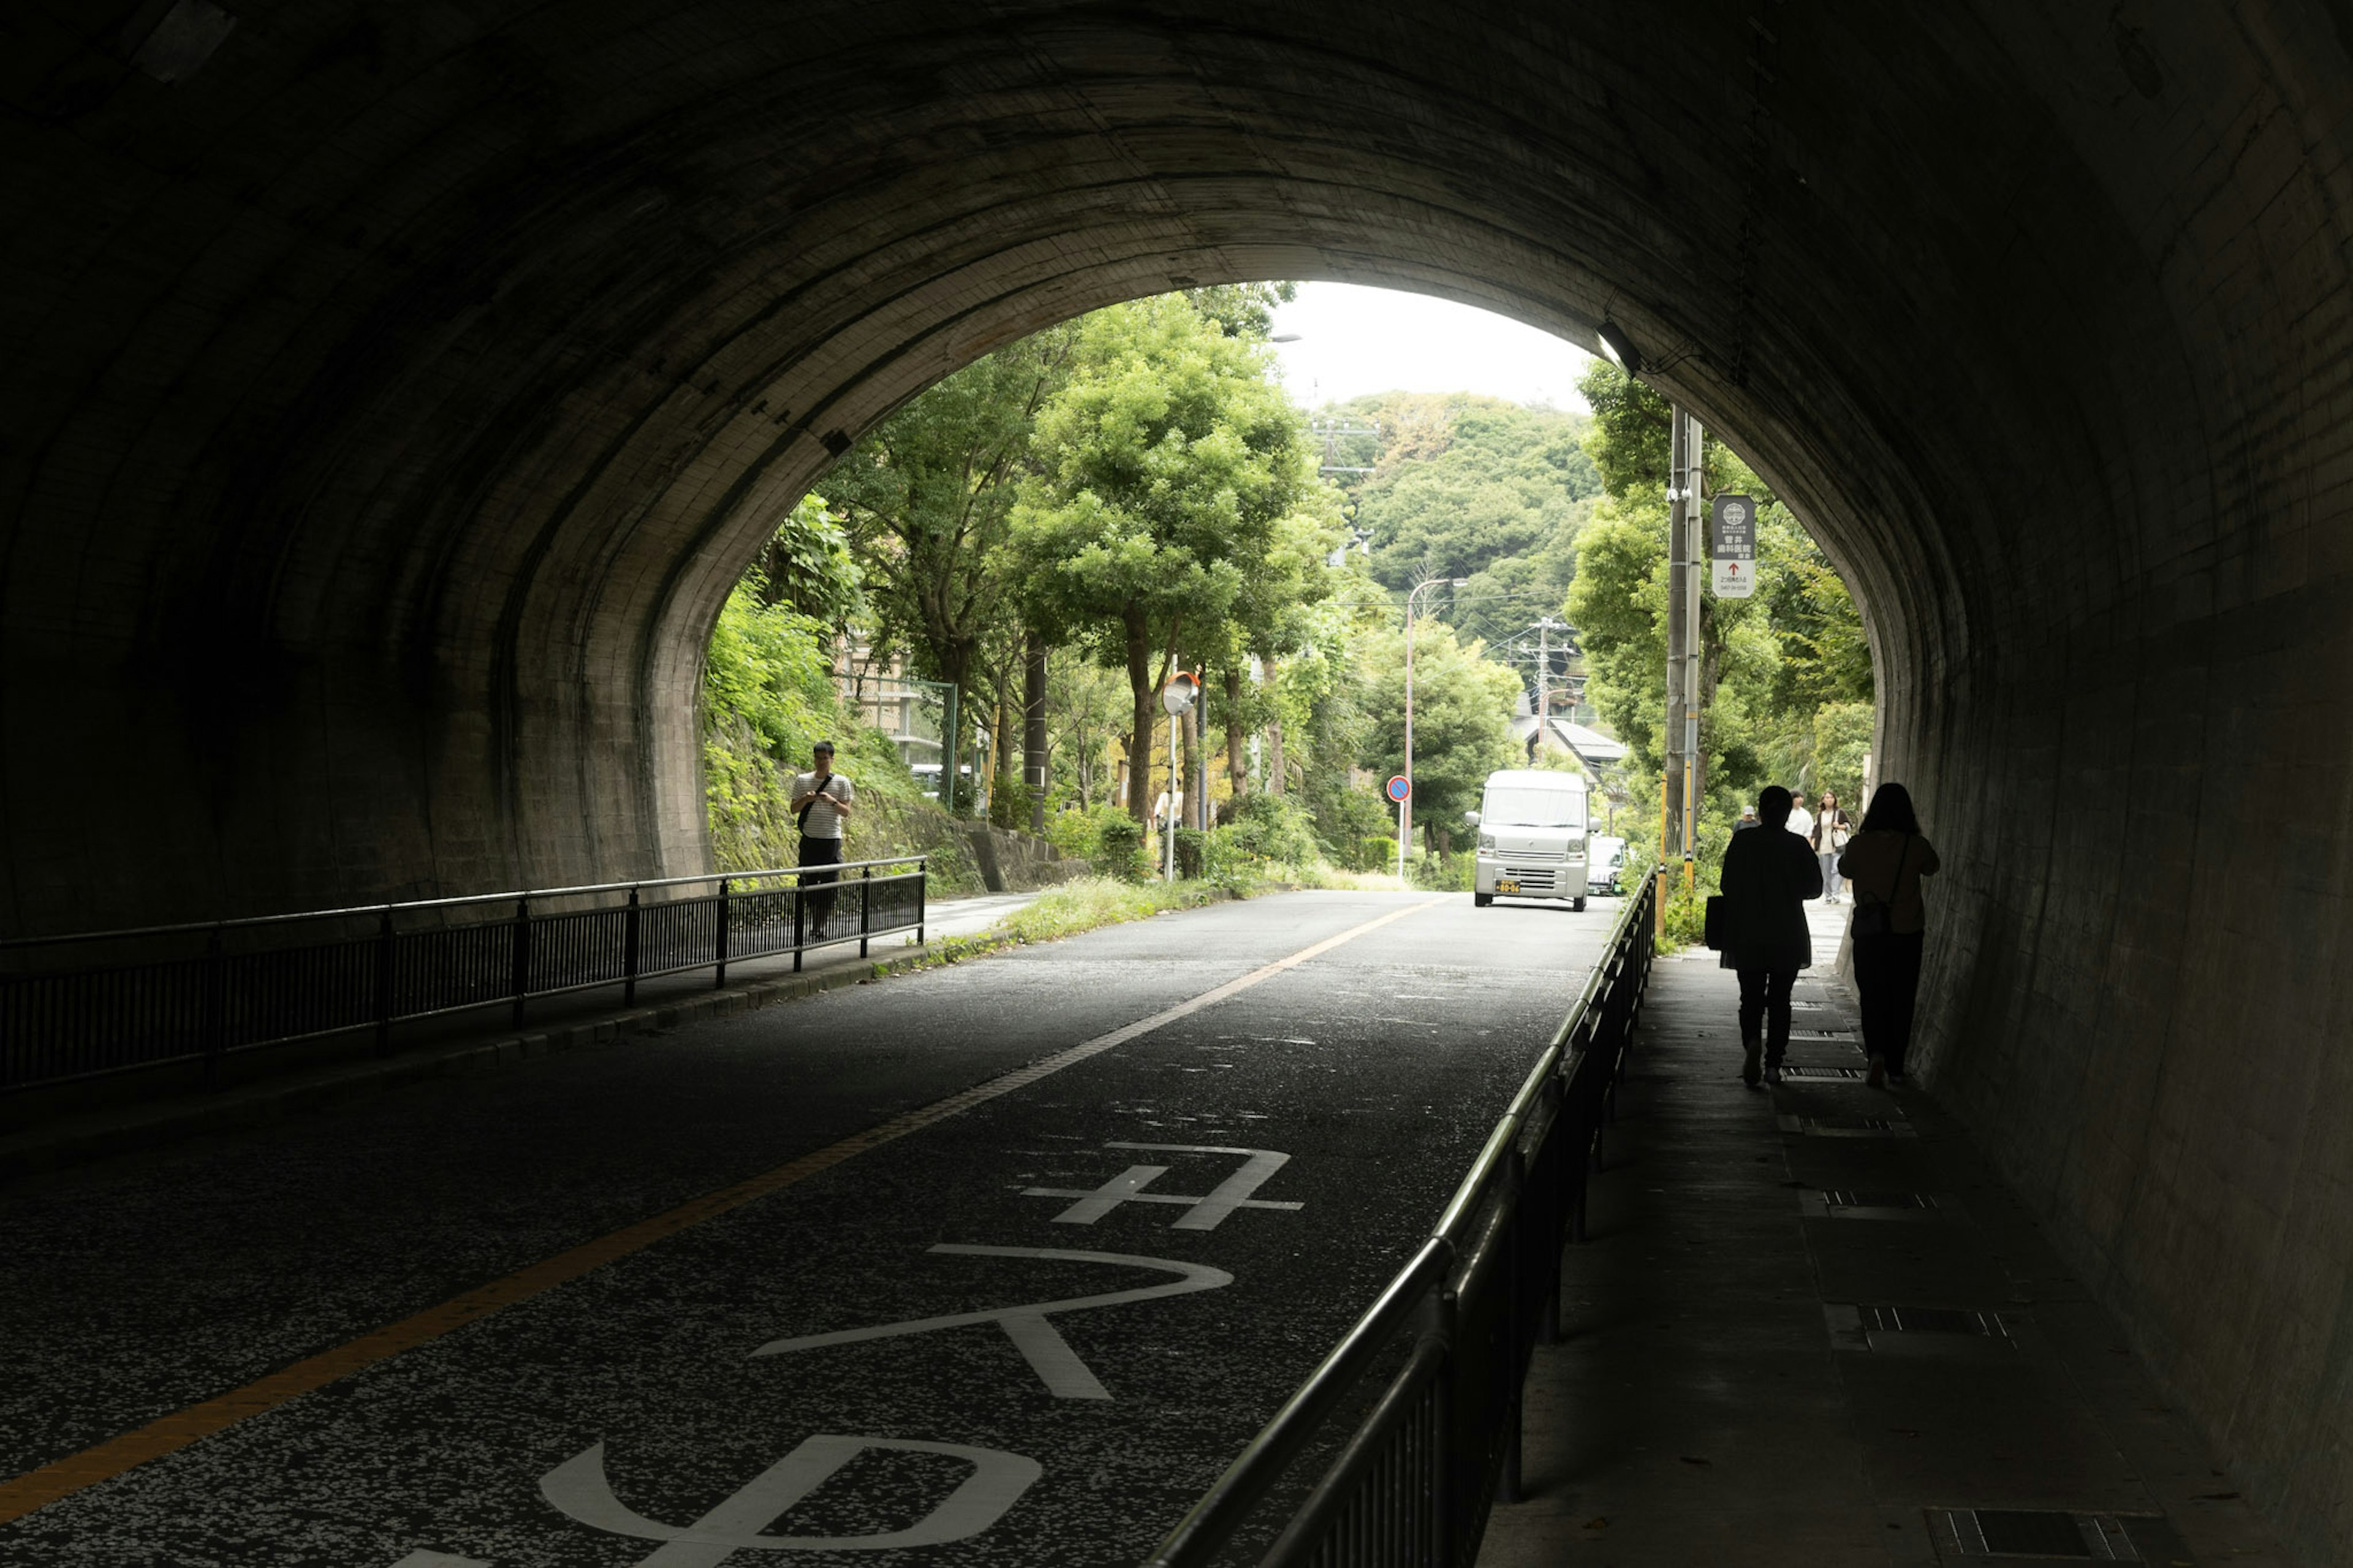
77	1007
1453	1334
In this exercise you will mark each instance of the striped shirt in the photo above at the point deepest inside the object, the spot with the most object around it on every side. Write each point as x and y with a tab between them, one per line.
824	822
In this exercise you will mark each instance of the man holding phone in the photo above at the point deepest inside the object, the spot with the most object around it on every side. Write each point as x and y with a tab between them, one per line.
824	801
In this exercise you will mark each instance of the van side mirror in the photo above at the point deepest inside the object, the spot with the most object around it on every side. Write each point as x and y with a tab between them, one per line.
1469	819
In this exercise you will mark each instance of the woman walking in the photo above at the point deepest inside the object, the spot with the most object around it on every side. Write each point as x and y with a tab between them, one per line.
1884	863
1831	831
1768	878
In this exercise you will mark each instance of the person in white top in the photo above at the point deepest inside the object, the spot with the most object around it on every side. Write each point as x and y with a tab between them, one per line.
824	800
1801	821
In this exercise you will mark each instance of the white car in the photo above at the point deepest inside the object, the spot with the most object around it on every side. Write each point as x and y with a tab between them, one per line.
1608	859
1532	827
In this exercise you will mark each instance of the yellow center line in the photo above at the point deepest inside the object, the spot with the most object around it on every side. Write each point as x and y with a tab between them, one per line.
169	1434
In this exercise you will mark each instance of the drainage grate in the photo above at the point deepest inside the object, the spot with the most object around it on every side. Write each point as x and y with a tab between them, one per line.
1831	1126
1928	1321
1847	1198
2031	1533
1787	1071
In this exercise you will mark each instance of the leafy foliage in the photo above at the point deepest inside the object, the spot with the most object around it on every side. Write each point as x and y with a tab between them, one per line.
1462	705
1771	666
1171	472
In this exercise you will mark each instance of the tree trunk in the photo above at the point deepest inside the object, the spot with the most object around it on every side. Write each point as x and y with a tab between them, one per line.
1194	803
1276	784
1237	764
1002	749
1033	736
1139	690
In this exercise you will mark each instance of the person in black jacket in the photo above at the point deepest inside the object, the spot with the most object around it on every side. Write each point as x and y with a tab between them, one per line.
1768	878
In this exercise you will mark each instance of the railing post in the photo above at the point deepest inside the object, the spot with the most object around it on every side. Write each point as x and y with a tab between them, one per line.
214	1039
922	895
1440	1330
721	959
1516	1242
865	908
522	956
800	907
386	953
630	953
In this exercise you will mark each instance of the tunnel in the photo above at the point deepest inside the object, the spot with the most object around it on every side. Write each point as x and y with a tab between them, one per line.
393	393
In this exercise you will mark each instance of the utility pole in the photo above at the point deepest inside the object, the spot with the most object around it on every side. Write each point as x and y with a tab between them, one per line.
1545	628
1677	814
1543	668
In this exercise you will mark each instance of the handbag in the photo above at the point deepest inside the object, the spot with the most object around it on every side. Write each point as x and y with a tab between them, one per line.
1712	931
1878	917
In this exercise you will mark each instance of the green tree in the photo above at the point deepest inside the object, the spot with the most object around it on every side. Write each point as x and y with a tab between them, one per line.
1168	465
808	566
1461	719
927	499
1768	664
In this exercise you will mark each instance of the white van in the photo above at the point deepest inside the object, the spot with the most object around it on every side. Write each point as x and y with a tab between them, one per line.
1532	827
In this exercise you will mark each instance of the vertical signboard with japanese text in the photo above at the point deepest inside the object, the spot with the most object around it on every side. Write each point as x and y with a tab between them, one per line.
1734	546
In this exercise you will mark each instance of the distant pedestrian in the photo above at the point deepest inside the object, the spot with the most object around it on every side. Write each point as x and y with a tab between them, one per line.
1831	831
1768	878
824	800
1801	821
1884	863
1747	818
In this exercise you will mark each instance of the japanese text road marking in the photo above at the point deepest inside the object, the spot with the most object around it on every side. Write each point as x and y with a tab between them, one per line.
170	1434
1048	1353
578	1486
1202	1214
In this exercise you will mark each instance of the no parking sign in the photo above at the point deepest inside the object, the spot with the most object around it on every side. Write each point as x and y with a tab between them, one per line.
1399	788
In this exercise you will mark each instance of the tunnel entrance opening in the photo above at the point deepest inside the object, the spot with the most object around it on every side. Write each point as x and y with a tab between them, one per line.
919	572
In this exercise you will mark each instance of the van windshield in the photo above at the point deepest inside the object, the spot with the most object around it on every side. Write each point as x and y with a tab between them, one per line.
1532	806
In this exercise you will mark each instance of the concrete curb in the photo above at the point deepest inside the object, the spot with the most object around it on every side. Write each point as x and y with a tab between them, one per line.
106	1134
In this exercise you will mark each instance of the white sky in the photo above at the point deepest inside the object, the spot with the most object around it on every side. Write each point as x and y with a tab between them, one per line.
1355	340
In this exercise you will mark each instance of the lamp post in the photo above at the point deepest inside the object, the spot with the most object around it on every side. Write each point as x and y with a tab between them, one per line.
1405	807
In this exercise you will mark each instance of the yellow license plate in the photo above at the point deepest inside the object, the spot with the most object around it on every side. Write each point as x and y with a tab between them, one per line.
1506	886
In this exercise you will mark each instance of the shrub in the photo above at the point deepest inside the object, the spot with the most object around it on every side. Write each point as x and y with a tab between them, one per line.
1188	852
1119	848
1271	828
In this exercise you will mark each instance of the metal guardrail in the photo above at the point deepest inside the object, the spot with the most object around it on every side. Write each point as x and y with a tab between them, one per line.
1412	1485
108	1002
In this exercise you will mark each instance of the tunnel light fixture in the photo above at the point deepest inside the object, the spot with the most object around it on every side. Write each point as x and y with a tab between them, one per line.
1619	349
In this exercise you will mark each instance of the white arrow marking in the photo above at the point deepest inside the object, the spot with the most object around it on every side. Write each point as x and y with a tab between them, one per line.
578	1486
1048	1354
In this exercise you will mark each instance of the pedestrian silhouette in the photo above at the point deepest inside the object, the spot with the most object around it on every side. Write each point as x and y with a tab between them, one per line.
1768	878
1883	864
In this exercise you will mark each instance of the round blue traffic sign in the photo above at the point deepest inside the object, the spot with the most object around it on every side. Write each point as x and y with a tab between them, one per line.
1399	788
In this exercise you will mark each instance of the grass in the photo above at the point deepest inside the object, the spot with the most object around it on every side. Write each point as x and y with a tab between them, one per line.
1091	902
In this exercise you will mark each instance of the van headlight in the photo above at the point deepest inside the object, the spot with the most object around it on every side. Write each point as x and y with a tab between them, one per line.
1486	842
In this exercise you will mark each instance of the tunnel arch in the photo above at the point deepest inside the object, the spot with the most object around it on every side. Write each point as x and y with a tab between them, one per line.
391	396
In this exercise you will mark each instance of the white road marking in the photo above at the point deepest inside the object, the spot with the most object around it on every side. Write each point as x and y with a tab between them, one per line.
1206	1213
1048	1354
578	1487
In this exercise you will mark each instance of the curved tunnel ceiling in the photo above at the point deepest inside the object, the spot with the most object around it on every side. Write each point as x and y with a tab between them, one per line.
423	374
387	400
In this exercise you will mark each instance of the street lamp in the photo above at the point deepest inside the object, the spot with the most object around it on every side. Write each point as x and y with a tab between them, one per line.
1405	807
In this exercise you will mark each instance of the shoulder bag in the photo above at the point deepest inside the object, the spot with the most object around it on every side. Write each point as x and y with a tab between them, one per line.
1878	917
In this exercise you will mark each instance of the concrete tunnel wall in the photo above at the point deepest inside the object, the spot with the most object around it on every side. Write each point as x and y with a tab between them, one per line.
389	399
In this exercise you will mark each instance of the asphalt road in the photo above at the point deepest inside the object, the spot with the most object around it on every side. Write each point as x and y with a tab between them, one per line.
668	1407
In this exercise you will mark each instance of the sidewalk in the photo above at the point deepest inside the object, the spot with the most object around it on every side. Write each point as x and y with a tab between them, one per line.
1811	1327
480	1041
